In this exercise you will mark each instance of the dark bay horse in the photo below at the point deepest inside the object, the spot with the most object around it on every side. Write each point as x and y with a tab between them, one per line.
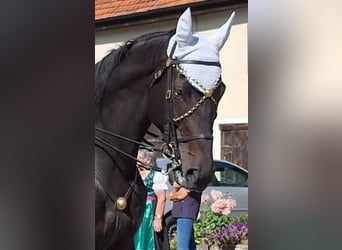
171	79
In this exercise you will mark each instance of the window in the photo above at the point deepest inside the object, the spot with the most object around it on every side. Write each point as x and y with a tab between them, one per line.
229	175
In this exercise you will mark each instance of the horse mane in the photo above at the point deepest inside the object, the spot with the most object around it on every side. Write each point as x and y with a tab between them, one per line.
105	67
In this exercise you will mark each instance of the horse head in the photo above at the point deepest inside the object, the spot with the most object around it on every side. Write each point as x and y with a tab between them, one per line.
193	90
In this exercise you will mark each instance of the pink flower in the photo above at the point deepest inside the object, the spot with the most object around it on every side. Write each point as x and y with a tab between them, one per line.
221	203
215	209
218	206
216	194
223	206
204	198
226	211
231	203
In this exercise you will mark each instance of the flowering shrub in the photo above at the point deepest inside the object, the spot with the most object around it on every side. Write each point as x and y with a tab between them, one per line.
218	203
223	206
232	234
214	226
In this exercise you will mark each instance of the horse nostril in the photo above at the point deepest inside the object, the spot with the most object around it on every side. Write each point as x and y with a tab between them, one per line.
191	176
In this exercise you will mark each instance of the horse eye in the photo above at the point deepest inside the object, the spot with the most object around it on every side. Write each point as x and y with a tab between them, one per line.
178	92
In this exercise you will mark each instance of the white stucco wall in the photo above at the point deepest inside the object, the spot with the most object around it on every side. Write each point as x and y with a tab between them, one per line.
233	107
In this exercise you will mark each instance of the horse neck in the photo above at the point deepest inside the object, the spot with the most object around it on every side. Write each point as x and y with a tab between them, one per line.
125	103
122	119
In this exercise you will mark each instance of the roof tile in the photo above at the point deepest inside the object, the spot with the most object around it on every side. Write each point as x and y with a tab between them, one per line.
113	8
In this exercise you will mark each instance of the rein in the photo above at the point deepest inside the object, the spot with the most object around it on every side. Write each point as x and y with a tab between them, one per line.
149	148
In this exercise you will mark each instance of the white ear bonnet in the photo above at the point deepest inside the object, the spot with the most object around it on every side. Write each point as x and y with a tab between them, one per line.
197	47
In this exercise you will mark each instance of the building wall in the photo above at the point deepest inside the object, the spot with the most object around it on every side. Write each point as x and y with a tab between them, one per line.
233	107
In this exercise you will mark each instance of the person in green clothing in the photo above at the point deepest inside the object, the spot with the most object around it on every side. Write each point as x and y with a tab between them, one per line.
152	234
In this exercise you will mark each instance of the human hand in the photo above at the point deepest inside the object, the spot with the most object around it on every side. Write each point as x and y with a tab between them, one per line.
176	185
178	195
157	224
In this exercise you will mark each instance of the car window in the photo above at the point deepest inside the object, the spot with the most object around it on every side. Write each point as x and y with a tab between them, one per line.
228	175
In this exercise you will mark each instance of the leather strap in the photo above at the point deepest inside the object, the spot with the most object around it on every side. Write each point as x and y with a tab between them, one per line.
178	61
185	139
170	132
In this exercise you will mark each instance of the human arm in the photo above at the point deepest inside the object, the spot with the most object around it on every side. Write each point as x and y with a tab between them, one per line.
178	193
159	187
159	211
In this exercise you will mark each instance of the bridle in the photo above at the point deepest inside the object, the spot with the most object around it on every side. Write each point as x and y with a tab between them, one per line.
170	128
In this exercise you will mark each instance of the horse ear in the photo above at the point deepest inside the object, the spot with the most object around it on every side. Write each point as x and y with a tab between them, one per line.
184	29
221	35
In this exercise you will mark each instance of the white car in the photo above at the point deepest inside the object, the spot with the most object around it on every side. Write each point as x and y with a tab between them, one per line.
229	178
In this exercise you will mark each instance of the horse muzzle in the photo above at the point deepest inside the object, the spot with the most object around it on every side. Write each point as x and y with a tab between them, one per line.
191	180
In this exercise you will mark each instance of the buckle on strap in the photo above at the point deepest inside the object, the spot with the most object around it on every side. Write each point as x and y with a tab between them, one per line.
157	74
168	62
168	94
208	93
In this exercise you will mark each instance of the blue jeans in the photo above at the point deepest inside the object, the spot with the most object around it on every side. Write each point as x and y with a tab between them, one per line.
185	234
